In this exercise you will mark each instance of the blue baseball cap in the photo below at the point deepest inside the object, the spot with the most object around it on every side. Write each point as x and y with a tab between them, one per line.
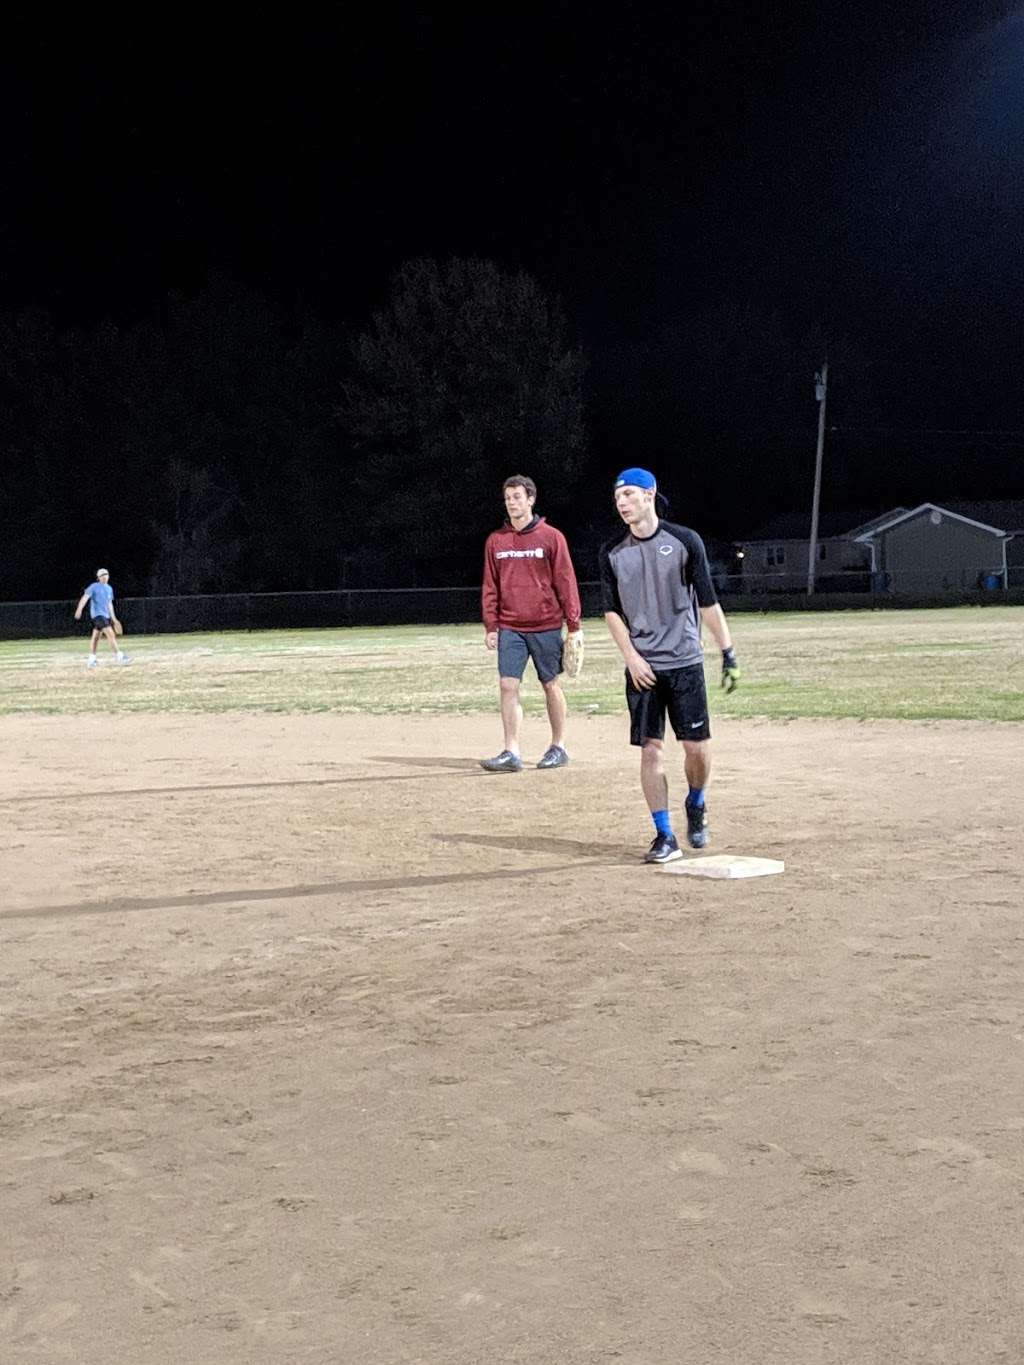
636	478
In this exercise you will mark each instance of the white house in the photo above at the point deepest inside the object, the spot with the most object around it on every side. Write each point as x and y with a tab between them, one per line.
947	547
775	558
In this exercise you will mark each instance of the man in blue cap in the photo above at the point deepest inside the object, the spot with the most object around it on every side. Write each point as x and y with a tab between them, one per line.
657	594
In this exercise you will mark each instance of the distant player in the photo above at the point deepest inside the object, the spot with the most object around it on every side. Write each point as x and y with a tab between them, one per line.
656	592
99	597
529	590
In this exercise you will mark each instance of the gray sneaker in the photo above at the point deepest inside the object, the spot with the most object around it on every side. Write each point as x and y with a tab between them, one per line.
506	762
665	849
554	757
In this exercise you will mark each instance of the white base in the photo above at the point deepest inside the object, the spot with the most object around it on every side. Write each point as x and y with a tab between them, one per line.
723	865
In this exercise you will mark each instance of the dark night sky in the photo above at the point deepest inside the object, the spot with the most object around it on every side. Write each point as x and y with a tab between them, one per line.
859	169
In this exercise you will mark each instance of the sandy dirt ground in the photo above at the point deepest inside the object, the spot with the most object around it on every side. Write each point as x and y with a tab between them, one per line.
321	1045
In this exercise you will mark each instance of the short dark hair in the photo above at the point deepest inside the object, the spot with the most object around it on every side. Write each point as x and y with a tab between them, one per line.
521	481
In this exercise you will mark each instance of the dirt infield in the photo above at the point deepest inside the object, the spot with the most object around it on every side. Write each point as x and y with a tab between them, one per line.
321	1045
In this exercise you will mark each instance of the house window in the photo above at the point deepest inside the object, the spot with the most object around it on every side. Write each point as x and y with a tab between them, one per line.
775	556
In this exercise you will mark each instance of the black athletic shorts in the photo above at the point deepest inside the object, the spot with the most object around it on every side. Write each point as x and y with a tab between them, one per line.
101	622
679	691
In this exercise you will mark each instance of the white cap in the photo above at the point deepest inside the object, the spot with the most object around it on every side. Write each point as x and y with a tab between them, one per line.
99	571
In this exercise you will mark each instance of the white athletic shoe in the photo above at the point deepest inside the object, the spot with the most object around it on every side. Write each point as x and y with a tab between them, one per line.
93	662
124	658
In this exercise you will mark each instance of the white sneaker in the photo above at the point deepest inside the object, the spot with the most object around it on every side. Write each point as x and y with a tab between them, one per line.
93	662
124	658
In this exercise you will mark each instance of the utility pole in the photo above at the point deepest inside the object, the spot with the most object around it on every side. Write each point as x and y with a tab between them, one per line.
821	394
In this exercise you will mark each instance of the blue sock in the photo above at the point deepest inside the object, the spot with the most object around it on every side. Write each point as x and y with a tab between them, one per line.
662	823
696	797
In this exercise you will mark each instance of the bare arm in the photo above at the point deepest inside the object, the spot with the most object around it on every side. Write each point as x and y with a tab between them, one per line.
714	618
81	606
717	626
639	669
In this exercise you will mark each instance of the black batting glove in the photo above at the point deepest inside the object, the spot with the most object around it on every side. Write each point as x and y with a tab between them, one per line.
730	670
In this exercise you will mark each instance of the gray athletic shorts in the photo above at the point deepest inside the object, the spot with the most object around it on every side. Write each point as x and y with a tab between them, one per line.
544	647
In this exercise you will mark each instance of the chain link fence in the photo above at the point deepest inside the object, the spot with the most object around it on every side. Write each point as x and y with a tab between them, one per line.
264	611
452	606
900	583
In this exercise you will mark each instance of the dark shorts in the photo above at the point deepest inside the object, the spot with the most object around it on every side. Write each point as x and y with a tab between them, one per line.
101	623
679	691
544	647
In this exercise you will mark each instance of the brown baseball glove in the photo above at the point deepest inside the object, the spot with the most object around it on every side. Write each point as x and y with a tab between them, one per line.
118	628
572	654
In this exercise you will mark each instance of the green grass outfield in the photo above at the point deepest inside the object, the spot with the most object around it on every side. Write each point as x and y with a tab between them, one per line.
958	663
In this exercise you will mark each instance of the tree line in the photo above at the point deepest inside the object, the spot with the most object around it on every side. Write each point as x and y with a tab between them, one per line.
228	443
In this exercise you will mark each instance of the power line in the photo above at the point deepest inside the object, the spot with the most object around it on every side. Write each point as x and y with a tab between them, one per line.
801	433
1017	435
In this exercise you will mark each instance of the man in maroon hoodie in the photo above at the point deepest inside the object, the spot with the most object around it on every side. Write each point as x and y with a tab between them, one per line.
529	590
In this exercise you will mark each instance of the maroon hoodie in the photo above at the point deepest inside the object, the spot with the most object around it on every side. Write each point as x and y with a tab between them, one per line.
529	581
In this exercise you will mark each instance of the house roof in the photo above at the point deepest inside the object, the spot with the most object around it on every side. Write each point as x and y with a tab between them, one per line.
871	525
831	526
1001	518
1007	516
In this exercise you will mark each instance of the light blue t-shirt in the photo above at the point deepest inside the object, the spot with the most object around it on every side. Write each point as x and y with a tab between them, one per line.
101	599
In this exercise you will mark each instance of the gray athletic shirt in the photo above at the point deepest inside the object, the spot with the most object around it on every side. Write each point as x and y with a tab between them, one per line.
657	586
